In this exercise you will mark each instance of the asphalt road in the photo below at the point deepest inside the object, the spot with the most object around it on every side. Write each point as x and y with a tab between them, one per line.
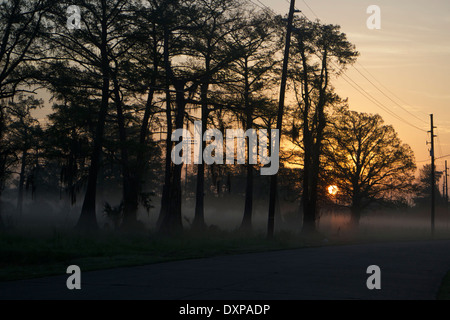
409	270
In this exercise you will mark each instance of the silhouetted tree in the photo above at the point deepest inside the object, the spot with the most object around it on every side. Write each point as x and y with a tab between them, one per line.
320	51
176	18
367	160
91	51
142	77
423	186
67	142
194	33
20	23
210	33
249	79
24	133
7	155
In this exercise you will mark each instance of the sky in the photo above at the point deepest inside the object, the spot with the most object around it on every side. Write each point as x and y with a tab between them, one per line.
407	60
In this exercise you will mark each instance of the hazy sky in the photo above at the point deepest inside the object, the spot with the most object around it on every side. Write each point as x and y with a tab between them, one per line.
409	56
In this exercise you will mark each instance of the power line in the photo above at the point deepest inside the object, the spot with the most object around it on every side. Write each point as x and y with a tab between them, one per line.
356	85
443	157
310	9
410	113
387	89
263	7
439	158
267	8
372	99
369	97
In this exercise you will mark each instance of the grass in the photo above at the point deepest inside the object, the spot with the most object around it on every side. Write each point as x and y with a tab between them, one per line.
25	256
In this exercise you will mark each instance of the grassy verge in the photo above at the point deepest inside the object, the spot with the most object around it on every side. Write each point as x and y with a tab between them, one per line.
28	256
31	255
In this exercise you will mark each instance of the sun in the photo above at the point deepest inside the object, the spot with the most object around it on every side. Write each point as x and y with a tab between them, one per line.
333	190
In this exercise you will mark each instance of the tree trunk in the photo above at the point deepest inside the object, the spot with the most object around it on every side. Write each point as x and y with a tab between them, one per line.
2	164
21	182
355	217
248	208
165	198
309	211
168	163
88	219
310	195
356	207
171	221
310	202
199	220
2	225
313	170
170	217
312	140
135	176
129	206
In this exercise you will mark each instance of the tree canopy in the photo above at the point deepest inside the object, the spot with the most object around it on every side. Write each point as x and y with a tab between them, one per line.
366	160
135	71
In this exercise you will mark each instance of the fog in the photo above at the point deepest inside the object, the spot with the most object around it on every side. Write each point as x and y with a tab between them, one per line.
225	212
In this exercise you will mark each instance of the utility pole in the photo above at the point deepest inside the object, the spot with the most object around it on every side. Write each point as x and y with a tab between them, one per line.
446	184
443	189
445	194
433	177
274	178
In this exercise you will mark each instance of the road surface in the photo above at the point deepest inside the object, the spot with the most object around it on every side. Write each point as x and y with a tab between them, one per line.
409	270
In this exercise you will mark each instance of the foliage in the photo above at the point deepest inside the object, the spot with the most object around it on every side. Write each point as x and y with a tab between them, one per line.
367	160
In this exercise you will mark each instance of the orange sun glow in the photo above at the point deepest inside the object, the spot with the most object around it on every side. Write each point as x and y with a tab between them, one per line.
333	190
